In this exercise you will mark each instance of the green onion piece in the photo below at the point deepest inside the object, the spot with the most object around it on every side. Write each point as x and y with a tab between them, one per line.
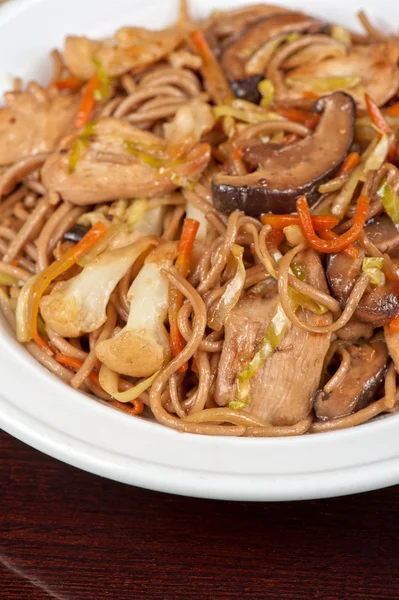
266	89
373	266
105	89
272	339
390	200
299	271
76	153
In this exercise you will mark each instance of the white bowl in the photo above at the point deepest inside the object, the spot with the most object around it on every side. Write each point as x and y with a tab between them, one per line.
42	411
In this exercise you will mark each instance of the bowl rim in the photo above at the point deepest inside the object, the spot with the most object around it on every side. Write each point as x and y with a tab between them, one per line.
42	411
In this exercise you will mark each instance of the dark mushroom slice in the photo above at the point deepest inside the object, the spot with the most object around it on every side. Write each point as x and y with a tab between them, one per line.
253	37
299	168
384	234
366	373
75	233
378	305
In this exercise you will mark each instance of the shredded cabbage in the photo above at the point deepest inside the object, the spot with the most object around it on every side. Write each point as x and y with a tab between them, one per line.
105	89
390	200
341	34
109	382
373	266
232	293
324	84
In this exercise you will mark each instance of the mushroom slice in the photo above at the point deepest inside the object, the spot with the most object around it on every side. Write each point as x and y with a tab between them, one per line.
299	168
378	305
240	49
384	234
366	373
374	64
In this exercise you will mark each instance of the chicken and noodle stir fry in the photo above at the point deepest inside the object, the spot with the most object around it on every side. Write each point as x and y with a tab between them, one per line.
202	223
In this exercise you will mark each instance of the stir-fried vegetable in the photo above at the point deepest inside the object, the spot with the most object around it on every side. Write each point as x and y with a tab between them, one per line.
344	240
214	76
350	250
305	117
78	305
109	382
80	144
31	294
320	222
381	125
373	266
189	232
322	85
390	200
191	121
142	347
272	339
266	89
232	293
247	112
105	88
87	102
69	83
351	161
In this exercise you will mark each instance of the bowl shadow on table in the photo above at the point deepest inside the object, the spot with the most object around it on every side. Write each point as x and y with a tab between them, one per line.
64	529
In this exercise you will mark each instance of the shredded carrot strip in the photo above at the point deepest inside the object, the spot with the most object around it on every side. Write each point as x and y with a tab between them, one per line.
237	153
320	222
351	250
351	161
305	117
213	73
380	123
344	240
87	103
182	264
393	110
136	407
62	264
70	83
394	325
291	139
75	363
310	95
275	237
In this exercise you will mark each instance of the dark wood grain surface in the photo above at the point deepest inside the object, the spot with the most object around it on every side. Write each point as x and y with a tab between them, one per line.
69	535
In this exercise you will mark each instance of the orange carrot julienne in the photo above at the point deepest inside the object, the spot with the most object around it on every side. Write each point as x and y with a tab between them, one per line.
87	103
237	153
380	123
342	241
69	83
136	407
75	363
351	161
394	325
351	250
214	76
62	264
189	232
298	115
320	222
393	110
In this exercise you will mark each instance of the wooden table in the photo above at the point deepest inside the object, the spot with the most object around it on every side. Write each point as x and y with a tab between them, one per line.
69	535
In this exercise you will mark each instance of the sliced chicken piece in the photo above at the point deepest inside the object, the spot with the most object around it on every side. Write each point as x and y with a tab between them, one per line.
367	371
131	49
375	64
282	390
232	22
33	122
245	328
118	161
